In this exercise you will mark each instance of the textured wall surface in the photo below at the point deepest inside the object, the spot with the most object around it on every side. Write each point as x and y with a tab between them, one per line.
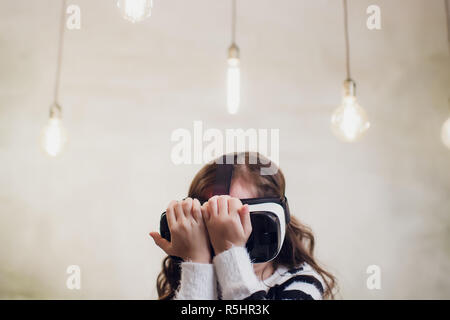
384	200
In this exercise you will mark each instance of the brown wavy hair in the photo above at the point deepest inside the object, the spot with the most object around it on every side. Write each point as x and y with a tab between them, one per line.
298	246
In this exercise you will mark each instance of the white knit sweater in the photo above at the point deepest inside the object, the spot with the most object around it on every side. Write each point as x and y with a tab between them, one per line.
231	274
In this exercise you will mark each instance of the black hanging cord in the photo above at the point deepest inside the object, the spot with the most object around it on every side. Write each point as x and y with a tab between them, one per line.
60	52
347	42
233	21
447	14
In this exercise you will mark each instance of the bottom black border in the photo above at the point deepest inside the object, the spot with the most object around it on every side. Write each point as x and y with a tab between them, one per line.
153	309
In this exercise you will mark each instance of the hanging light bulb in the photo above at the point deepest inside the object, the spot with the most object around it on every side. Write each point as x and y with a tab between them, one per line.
349	121
234	80
445	133
54	136
135	10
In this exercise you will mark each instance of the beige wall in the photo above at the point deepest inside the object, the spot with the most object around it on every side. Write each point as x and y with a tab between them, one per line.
384	201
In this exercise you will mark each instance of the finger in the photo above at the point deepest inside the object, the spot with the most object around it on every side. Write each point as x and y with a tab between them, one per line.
179	212
244	214
234	204
205	211
161	242
196	211
222	205
170	214
212	207
187	207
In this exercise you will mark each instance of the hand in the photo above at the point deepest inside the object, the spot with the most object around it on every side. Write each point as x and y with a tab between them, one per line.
189	238
228	222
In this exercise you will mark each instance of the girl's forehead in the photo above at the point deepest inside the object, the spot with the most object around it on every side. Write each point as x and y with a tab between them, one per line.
242	190
239	188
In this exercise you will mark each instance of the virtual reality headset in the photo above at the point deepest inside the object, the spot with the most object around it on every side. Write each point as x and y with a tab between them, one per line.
269	217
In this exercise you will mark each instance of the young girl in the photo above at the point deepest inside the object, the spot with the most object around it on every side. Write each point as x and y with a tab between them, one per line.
223	224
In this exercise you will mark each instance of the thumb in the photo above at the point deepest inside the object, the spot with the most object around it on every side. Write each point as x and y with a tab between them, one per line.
161	242
244	214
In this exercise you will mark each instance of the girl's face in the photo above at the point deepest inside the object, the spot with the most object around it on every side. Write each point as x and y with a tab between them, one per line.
242	190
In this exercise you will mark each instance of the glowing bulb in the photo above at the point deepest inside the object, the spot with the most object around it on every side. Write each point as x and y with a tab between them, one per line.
234	80
135	10
445	133
54	136
349	121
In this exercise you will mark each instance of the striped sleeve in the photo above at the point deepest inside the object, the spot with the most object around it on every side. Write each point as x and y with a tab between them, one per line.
302	283
238	281
299	285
